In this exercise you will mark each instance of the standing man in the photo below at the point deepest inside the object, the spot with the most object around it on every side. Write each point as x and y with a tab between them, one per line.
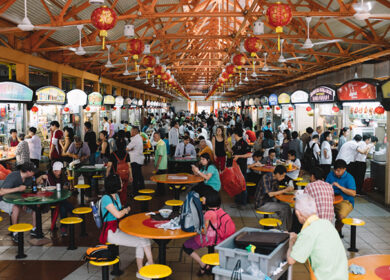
56	136
34	145
106	126
173	137
90	139
112	128
135	149
160	161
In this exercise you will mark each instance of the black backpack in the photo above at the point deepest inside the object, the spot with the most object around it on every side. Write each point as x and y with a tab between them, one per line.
101	253
309	160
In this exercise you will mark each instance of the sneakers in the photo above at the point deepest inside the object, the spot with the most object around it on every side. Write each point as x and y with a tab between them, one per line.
34	233
139	276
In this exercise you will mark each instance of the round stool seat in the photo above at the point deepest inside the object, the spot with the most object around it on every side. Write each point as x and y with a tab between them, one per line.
71	220
82	186
174	202
104	263
270	222
142	197
211	259
20	227
302	184
353	222
250	184
146	191
282	187
298	179
264	212
53	206
70	178
155	271
82	210
97	176
147	153
1	218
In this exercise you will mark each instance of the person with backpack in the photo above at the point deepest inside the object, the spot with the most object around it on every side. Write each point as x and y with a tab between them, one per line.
119	163
312	153
218	226
111	212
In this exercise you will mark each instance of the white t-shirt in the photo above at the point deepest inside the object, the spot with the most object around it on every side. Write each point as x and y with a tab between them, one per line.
316	149
106	127
136	146
294	174
348	151
361	157
326	146
34	145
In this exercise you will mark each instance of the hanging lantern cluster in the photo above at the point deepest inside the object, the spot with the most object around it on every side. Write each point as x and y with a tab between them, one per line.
309	109
291	108
135	48
104	19
239	60
279	15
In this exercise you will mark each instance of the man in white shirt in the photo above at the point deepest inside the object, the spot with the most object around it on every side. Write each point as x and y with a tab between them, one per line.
173	137
34	145
185	149
349	152
182	130
136	149
106	125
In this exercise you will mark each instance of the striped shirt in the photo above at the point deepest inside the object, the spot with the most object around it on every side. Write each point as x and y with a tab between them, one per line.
323	195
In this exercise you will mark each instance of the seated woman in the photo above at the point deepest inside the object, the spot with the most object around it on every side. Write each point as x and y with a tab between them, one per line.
212	218
209	173
112	212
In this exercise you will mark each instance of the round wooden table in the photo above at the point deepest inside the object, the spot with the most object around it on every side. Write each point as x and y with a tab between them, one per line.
290	198
133	225
177	179
269	168
374	265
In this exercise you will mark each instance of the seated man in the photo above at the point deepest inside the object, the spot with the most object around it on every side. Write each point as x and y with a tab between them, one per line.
322	192
205	149
295	163
267	189
344	185
185	149
254	175
318	241
270	159
17	181
80	150
208	142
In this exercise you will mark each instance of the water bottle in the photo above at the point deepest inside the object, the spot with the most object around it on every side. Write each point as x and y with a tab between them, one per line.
96	215
58	187
34	186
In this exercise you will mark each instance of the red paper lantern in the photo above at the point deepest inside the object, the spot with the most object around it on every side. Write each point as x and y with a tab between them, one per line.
230	69
88	109
268	108
149	61
335	109
379	110
291	108
136	47
158	70
225	75
239	60
103	108
165	76
252	45
114	108
123	108
34	109
279	15
308	109
104	19
66	109
277	108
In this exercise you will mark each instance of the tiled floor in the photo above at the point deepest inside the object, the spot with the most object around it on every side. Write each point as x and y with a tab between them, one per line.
373	238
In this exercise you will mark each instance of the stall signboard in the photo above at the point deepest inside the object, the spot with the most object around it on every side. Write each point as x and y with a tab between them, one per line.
109	100
357	90
322	94
119	101
95	98
77	97
284	98
299	96
128	101
264	100
273	100
50	95
386	89
15	92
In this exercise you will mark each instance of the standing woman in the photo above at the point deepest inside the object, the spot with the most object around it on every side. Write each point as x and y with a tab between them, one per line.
103	147
286	143
65	143
342	137
326	153
22	152
219	148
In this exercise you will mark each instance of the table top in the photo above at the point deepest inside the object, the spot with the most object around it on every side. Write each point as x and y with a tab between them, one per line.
268	168
133	225
370	264
7	159
183	159
86	170
165	179
17	198
289	198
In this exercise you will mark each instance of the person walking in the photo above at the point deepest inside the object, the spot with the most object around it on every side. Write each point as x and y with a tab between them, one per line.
219	148
135	149
160	161
34	145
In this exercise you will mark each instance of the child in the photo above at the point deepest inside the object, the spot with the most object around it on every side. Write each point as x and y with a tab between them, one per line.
212	218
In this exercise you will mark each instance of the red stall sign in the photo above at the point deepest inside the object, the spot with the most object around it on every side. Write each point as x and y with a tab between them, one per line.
357	90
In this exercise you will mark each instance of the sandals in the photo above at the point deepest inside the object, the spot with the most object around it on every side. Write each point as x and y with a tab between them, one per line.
204	270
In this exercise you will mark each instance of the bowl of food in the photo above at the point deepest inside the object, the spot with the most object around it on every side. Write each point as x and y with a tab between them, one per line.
165	213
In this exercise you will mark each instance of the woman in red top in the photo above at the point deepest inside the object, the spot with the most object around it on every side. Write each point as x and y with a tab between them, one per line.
13	140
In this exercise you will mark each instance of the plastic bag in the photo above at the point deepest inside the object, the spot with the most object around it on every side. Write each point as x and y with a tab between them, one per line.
237	271
232	180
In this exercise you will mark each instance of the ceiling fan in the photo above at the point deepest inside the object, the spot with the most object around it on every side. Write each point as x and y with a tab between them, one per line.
108	63
25	23
309	44
80	49
363	11
282	59
265	66
126	73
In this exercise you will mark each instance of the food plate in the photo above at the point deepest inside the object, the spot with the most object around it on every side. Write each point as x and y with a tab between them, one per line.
51	188
32	198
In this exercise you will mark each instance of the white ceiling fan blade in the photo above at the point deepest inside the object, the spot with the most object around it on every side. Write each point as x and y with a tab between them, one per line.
380	16
363	6
12	18
294	58
327	42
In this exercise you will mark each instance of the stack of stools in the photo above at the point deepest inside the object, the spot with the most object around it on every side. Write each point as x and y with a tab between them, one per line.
155	271
211	259
82	189
144	200
81	211
353	222
71	221
105	266
267	222
176	204
20	229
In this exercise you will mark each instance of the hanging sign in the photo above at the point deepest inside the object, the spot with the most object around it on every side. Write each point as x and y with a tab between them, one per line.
95	98
386	89
357	90
322	94
77	97
109	100
284	98
299	96
273	100
15	92
264	100
128	101
50	95
119	101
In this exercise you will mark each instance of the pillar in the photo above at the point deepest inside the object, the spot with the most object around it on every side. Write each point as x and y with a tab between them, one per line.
96	86
109	89
56	79
387	173
80	83
22	73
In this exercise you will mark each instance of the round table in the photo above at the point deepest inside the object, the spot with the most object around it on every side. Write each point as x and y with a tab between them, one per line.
181	164
7	159
183	159
18	199
133	225
269	168
84	169
370	264
290	198
173	179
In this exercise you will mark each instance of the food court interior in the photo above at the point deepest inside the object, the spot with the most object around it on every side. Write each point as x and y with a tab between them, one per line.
214	105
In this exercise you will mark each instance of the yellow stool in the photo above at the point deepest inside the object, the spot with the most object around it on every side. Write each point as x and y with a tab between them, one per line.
176	204
105	266
97	176
82	189
20	229
155	271
211	259
250	184
71	221
176	190
282	187
144	200
270	223
353	222
265	213
298	179
82	211
302	184
146	191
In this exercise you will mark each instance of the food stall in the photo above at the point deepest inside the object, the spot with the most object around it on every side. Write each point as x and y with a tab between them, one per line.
300	101
72	113
133	113
108	103
14	98
92	111
287	111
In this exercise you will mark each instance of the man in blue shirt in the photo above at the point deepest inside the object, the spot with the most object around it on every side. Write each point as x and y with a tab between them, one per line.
343	184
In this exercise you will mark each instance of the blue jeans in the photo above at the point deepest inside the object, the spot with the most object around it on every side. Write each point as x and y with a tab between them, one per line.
65	208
